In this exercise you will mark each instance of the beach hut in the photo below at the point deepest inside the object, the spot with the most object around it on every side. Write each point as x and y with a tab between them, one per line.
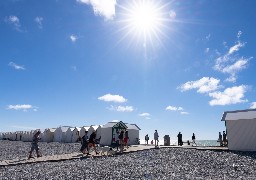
241	129
109	132
98	132
133	133
91	129
48	135
59	134
75	134
69	134
83	129
1	136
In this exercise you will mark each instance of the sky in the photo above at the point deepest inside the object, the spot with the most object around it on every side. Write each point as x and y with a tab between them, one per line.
174	66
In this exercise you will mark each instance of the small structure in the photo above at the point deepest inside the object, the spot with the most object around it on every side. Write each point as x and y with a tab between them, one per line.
109	132
69	135
75	134
48	135
241	129
91	129
83	129
60	133
133	133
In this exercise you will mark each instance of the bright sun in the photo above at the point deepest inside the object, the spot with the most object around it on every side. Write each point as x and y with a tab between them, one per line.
144	19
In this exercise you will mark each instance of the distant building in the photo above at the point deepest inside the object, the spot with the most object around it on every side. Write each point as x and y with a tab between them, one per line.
241	129
109	130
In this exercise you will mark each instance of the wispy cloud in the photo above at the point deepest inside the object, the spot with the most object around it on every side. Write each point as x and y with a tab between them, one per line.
73	38
253	105
74	68
145	115
208	37
15	21
203	85
207	50
105	8
174	108
229	96
39	21
16	66
22	107
231	62
121	108
112	98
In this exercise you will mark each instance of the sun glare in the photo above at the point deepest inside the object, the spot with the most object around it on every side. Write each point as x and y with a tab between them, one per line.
144	19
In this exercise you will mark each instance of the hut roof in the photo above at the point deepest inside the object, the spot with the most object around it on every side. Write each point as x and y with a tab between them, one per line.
239	114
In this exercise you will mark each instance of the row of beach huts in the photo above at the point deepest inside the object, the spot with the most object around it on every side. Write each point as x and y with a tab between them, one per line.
67	134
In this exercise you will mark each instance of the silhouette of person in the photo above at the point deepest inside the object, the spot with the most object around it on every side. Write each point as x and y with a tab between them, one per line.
156	138
180	143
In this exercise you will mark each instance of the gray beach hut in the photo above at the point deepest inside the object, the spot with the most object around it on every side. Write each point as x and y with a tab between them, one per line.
241	129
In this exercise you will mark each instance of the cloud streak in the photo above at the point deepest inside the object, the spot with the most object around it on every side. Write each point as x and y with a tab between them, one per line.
112	98
22	107
15	21
121	108
16	66
105	8
39	21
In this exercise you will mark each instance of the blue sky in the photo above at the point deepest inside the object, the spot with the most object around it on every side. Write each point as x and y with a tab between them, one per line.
167	65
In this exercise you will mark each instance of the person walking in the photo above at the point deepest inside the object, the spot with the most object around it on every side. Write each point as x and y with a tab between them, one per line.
92	143
126	138
34	145
224	139
84	143
220	139
121	141
146	139
194	139
180	142
156	136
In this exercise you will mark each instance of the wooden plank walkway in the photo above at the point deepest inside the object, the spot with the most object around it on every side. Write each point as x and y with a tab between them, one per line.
62	157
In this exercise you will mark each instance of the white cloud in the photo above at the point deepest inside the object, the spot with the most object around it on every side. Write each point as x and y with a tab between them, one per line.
184	113
173	108
235	48
23	107
203	85
121	108
231	95
73	38
208	37
16	66
144	114
112	98
231	62
253	105
172	14
39	21
207	50
15	21
105	8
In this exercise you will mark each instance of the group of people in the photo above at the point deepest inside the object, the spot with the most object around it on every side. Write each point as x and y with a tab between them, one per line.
88	143
121	140
223	139
180	142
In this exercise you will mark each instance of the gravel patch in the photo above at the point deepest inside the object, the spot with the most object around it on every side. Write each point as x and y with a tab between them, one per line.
165	163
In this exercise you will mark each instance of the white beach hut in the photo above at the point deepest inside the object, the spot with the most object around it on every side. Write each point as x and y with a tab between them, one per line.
98	132
108	132
48	135
83	129
69	134
91	129
241	129
59	134
133	133
1	136
25	136
75	134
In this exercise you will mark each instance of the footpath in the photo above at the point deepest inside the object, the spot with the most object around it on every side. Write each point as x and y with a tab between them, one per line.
76	155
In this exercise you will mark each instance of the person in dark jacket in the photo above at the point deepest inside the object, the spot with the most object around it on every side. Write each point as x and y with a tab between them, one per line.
180	142
84	142
92	143
34	145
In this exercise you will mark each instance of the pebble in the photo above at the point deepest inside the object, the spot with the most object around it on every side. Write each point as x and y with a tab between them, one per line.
163	163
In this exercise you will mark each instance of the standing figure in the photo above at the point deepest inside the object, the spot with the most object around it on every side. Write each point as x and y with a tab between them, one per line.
34	145
180	142
126	138
92	143
224	139
194	139
117	139
220	139
84	142
156	138
121	141
146	139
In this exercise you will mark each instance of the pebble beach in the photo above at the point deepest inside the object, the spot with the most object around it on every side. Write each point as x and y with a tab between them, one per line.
163	163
